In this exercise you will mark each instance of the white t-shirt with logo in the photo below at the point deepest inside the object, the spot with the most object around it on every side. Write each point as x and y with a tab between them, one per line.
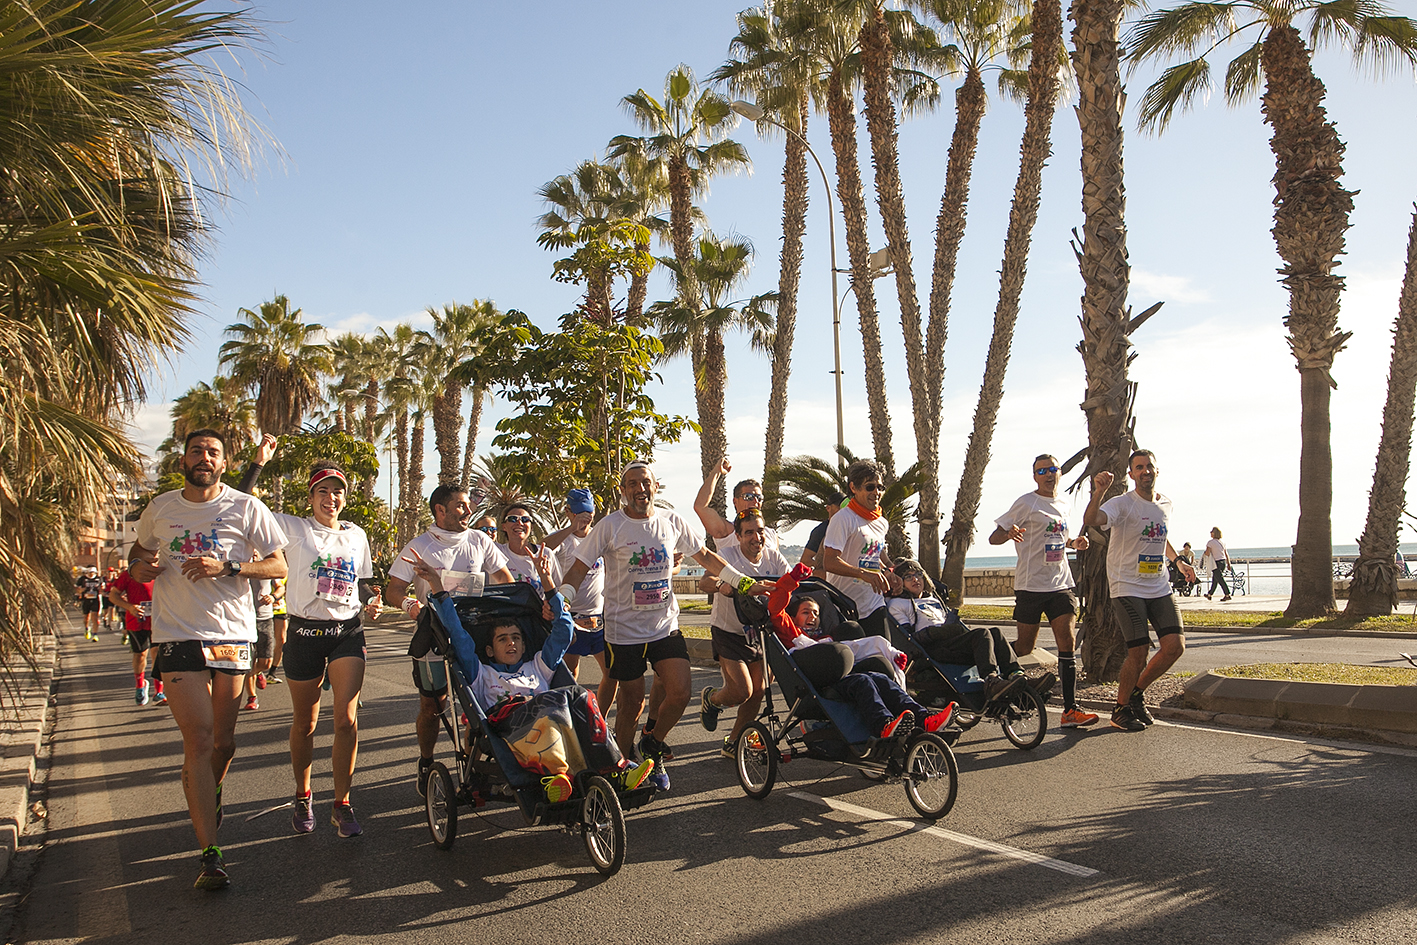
325	567
523	567
457	555
232	527
640	606
589	599
1136	551
862	543
1043	552
773	565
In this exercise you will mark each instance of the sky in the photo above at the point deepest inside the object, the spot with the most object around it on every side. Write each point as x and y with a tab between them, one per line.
411	141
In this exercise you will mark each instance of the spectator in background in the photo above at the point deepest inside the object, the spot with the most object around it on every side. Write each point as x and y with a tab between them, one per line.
1219	563
813	551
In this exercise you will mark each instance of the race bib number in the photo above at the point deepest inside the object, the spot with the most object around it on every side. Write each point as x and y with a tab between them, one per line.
1149	565
333	585
1053	553
650	595
463	583
227	655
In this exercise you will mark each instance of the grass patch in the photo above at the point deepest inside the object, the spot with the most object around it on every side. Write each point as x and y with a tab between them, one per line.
694	605
1271	619
1324	672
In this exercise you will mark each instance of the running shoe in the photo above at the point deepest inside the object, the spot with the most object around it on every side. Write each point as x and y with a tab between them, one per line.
342	816
996	687
1139	709
632	776
260	680
252	704
559	788
272	679
160	698
708	712
730	747
666	752
938	720
658	779
303	820
425	768
900	725
1126	720
653	748
1075	718
213	875
1044	684
141	695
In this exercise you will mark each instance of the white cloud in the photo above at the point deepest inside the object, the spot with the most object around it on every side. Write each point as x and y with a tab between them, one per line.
1150	287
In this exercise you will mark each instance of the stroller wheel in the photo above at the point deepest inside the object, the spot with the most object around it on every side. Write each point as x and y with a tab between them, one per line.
757	761
931	775
1024	719
603	826
441	803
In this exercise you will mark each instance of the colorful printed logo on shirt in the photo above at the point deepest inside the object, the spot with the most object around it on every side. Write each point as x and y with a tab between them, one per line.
869	558
193	545
648	559
1153	530
1055	527
334	577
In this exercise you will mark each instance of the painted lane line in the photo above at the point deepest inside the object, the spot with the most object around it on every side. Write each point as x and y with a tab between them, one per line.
1062	866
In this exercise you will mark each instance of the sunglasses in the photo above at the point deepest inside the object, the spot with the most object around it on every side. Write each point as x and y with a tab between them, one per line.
751	497
489	529
874	488
1045	470
524	519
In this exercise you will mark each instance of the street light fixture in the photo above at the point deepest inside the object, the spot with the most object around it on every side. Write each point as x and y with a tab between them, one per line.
753	113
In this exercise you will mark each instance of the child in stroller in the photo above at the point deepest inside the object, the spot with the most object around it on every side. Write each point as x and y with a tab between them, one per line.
554	733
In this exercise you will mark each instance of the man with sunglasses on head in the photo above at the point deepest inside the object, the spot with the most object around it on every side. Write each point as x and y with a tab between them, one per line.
747	494
467	559
1137	551
1037	524
854	549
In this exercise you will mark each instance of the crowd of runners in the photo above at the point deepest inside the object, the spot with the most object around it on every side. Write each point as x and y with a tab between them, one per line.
228	594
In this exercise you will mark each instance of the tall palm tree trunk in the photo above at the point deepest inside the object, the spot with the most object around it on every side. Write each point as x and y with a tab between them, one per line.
1106	277
401	456
371	413
474	421
794	224
970	103
842	122
681	229
1310	219
638	292
447	424
1034	152
1374	589
414	493
713	438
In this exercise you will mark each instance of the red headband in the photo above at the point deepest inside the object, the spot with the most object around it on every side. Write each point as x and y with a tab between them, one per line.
321	474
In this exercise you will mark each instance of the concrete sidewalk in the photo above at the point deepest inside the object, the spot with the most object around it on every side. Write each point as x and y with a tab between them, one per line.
27	710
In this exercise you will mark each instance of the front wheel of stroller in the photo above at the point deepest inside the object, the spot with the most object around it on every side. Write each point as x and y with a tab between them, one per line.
1025	720
931	775
441	803
603	826
757	761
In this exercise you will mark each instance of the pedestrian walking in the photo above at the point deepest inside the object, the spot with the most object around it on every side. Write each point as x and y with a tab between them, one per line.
1219	557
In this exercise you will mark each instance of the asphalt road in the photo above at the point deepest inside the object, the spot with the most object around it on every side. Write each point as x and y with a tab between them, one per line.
1180	834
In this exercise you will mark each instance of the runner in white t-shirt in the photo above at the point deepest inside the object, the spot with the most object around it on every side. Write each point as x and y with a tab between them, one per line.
1037	524
519	550
747	494
201	547
1137	550
739	660
854	549
638	544
467	559
587	607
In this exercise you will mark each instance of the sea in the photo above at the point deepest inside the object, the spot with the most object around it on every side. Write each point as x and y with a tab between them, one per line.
1263	579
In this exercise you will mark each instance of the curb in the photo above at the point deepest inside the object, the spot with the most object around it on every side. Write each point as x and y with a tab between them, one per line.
1259	723
1387	709
1266	631
21	738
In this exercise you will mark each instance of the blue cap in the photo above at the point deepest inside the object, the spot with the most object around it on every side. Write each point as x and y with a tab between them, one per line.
580	500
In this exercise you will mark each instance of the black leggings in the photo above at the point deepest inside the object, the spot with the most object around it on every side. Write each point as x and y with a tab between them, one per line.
1217	576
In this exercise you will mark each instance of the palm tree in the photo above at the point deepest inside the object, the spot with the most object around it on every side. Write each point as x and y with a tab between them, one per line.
398	395
688	136
1311	206
104	106
453	340
983	35
805	483
718	268
424	387
216	406
500	482
1106	318
1374	588
347	389
490	348
1046	29
767	63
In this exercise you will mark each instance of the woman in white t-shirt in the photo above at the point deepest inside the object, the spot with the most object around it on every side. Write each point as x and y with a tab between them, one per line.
1219	562
325	637
519	550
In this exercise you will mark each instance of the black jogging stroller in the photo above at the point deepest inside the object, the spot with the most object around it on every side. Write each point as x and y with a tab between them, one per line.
815	723
486	770
1020	712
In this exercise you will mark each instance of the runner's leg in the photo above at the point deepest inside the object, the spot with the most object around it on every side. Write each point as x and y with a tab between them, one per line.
346	679
629	700
672	678
305	714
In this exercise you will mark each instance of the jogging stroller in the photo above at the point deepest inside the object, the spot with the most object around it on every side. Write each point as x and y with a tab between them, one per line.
487	770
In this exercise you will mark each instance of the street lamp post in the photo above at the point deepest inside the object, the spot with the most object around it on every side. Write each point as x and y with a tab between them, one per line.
753	113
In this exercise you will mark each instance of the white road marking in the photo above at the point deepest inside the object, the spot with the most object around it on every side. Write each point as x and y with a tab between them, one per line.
1062	866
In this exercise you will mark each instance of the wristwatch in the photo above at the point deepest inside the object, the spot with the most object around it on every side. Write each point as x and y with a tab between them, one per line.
232	569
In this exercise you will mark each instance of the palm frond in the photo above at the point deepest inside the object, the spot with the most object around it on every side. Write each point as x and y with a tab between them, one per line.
1178	87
